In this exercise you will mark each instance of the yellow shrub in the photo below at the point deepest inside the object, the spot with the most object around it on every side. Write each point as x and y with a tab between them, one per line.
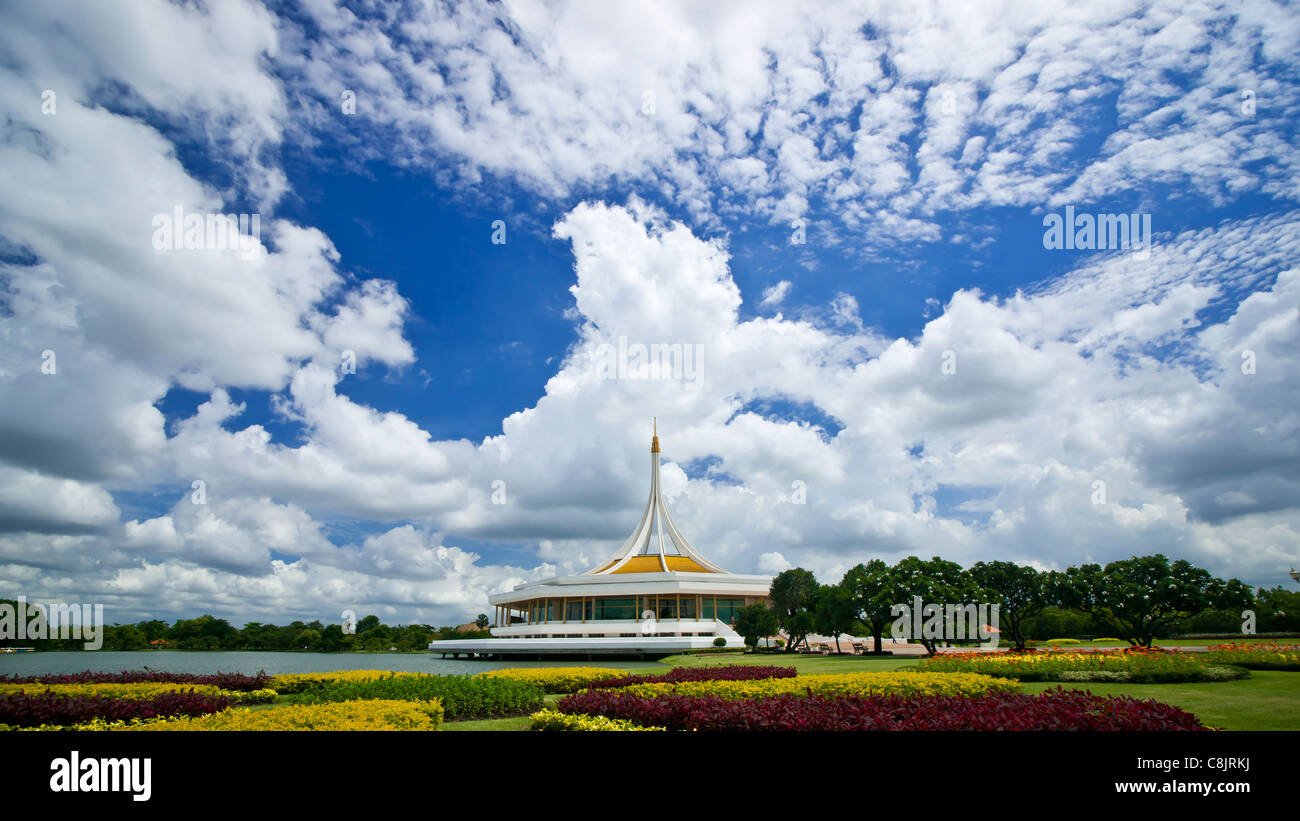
848	684
297	682
94	725
553	720
339	715
556	679
138	691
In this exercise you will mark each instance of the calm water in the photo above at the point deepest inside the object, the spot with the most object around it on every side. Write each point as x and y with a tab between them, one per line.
173	661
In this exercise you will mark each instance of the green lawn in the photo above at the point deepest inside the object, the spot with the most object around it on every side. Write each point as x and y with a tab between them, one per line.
513	724
804	663
1268	700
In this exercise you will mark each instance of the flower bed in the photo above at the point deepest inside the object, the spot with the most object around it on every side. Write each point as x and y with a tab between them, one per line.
1051	710
837	684
224	681
373	714
137	691
37	709
461	696
553	720
1256	656
728	672
1131	665
291	683
557	679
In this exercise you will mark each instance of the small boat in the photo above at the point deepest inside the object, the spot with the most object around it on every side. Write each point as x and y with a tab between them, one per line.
17	649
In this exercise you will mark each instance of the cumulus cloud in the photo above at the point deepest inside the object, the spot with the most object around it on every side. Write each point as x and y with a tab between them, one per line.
814	440
879	114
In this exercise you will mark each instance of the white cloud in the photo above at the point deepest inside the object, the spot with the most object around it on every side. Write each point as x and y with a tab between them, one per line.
1123	370
776	294
755	106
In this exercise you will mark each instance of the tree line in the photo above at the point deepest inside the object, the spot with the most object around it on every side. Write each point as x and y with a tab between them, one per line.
210	633
1139	600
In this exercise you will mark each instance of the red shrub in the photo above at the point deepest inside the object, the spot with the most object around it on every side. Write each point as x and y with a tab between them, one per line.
28	710
1051	710
226	681
728	672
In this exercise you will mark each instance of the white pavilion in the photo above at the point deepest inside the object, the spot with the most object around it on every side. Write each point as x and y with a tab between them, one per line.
654	597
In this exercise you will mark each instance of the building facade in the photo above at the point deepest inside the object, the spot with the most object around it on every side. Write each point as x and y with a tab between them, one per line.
655	596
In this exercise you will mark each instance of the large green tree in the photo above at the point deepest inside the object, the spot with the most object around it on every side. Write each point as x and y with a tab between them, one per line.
1135	598
869	588
836	613
754	622
1019	591
794	598
1279	610
936	582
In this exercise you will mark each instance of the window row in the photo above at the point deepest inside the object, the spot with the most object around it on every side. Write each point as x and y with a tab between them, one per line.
628	607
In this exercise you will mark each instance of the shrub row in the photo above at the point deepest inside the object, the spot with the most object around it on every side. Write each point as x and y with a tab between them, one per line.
290	683
1051	710
552	720
34	710
139	690
727	672
1270	656
1128	665
557	679
836	684
461	696
223	681
371	714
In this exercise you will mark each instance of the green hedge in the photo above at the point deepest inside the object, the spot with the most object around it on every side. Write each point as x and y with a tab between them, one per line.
461	696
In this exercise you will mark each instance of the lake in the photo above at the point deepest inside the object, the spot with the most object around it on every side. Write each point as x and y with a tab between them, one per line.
250	662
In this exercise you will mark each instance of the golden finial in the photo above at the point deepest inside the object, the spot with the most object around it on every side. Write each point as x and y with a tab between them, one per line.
654	443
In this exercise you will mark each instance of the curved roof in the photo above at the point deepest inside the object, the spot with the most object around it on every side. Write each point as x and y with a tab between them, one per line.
647	550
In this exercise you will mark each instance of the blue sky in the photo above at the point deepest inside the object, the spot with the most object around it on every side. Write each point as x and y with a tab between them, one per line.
651	165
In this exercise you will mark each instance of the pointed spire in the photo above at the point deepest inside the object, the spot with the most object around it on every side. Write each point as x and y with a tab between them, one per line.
645	550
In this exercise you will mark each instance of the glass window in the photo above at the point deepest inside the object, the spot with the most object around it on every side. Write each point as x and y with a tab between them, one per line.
728	608
667	608
686	607
706	607
615	609
573	610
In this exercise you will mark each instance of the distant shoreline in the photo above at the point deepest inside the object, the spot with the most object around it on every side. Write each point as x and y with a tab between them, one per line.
233	650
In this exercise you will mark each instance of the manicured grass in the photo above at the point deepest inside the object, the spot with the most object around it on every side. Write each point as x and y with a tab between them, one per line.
512	724
1169	642
1265	701
802	662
